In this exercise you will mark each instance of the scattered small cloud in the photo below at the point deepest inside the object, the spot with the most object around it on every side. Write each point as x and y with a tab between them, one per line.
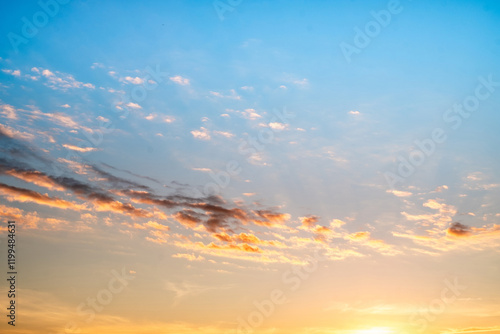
399	193
278	126
169	119
79	149
232	95
132	80
205	170
180	80
224	134
133	105
202	134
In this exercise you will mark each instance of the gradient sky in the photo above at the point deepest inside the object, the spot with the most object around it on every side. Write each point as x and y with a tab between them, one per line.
241	167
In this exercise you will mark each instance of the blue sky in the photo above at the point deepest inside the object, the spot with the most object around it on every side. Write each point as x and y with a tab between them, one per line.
207	156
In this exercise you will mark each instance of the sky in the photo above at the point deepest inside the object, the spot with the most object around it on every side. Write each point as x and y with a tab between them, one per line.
235	166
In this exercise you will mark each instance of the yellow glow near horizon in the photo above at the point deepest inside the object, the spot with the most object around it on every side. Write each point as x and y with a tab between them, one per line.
375	330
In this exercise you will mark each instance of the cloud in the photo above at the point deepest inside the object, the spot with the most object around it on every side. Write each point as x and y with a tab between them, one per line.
479	181
249	113
202	134
15	134
61	119
354	112
247	238
278	126
458	230
133	105
209	211
270	218
232	95
117	182
169	119
364	238
240	252
189	257
25	195
35	177
132	80
8	111
209	214
309	221
180	80
157	226
77	167
301	82
399	193
441	188
239	247
100	199
188	218
79	149
58	80
224	134
206	170
97	65
440	219
16	73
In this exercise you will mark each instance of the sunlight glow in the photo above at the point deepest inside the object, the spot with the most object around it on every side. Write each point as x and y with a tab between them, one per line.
375	330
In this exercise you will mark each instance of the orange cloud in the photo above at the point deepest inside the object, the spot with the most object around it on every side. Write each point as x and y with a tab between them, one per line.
157	226
119	207
35	177
242	247
26	195
458	230
270	218
79	149
188	218
189	257
309	221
